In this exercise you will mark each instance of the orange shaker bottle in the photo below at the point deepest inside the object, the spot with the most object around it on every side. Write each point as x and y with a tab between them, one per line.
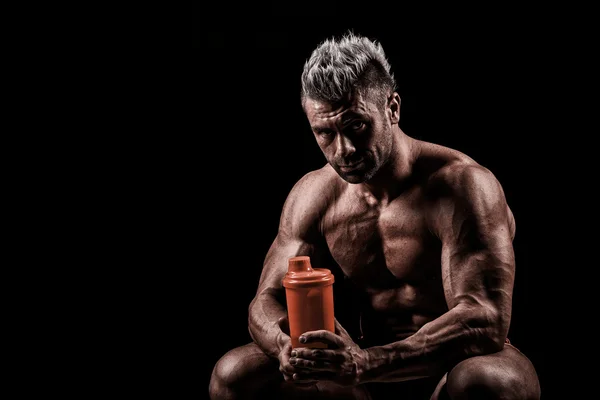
309	295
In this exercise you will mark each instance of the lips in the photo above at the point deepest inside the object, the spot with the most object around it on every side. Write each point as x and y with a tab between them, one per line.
350	167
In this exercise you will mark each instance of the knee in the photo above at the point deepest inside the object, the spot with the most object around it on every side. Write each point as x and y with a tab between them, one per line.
487	381
242	372
225	376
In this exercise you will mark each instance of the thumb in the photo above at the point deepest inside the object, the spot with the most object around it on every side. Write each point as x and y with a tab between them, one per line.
284	324
340	330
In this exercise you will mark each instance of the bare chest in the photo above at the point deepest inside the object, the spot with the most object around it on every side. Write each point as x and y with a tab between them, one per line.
384	248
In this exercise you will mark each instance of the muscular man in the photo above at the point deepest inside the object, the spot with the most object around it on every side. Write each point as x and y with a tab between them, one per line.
423	234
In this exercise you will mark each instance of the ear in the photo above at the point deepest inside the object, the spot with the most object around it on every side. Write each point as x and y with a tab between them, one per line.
394	108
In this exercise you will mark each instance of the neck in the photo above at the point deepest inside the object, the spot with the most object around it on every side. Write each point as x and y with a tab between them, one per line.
394	176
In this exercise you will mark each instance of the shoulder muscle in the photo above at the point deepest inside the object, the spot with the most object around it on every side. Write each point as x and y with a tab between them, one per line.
467	197
306	204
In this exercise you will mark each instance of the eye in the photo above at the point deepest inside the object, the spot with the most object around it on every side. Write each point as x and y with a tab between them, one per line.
325	132
357	125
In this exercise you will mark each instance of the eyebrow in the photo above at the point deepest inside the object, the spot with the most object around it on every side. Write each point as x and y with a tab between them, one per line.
321	129
348	117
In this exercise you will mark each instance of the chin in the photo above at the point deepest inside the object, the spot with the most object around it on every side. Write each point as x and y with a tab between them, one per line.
353	178
356	177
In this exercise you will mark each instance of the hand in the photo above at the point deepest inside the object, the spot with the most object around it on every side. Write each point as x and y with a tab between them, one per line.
342	362
285	367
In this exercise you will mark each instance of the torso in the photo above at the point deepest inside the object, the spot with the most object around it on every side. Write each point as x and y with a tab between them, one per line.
390	255
389	252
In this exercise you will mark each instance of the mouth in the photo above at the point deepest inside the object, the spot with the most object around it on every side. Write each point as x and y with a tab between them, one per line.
350	167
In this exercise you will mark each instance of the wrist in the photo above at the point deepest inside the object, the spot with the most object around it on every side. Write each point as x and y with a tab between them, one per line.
363	367
371	359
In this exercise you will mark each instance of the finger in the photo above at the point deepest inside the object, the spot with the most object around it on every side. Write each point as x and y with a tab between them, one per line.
323	336
284	366
340	330
286	352
313	365
316	354
288	370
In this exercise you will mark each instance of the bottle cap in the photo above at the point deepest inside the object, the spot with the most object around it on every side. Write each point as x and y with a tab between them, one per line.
301	274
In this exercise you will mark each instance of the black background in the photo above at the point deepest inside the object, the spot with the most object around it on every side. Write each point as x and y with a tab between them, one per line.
478	87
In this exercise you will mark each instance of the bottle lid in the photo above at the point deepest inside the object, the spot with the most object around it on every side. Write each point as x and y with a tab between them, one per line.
301	274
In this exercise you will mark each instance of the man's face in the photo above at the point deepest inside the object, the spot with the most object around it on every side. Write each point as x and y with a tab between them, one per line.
355	136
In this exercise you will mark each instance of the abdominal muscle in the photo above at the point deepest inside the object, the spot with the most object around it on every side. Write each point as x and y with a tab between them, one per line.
394	314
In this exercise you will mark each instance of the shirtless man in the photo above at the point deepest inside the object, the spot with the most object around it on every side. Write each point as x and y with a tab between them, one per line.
422	231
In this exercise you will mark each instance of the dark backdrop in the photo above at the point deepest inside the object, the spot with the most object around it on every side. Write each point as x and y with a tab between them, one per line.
481	92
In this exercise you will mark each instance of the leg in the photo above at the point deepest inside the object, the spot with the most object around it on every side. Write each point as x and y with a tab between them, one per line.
247	373
507	374
418	389
241	373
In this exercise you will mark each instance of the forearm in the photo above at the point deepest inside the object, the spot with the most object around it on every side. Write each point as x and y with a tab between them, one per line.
460	333
263	316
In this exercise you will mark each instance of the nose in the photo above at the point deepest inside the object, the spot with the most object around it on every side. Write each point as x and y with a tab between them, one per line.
344	147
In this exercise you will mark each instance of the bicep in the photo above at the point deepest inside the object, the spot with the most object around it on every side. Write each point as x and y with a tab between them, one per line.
298	235
276	261
474	225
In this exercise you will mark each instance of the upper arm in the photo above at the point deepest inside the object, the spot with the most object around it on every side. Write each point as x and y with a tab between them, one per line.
298	232
476	228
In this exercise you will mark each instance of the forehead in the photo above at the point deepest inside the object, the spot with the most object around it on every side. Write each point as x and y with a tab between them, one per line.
318	111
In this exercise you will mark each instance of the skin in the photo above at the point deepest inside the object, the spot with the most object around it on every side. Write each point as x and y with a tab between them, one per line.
425	234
